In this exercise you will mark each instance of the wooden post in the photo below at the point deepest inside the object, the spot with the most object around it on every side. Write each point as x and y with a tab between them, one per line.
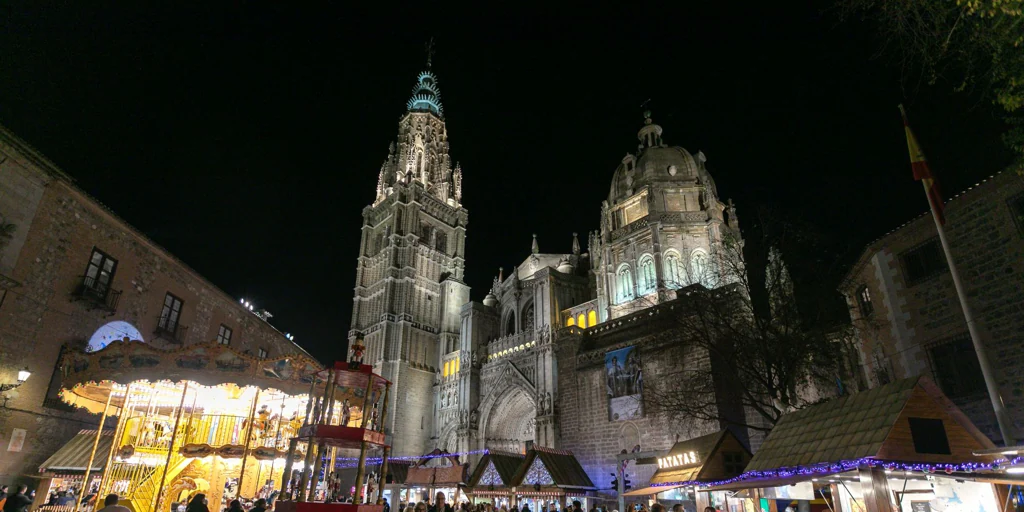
330	396
317	466
286	477
170	451
309	401
383	473
361	467
384	408
92	454
306	467
248	437
875	487
277	438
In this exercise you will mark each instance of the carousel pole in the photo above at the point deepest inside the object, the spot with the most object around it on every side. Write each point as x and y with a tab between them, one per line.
303	478
95	445
277	440
248	440
122	420
361	468
387	449
309	401
321	452
319	413
170	450
330	396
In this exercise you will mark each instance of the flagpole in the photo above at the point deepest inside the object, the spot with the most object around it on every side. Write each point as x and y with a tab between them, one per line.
1005	425
1002	418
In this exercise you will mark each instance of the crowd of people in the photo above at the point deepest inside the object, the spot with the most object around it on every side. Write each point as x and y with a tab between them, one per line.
440	505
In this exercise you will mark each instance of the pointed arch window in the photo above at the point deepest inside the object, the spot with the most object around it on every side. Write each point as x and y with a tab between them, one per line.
700	265
674	271
648	278
581	320
624	284
570	322
592	318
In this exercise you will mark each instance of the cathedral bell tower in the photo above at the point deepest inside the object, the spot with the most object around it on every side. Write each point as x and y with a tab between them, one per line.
409	277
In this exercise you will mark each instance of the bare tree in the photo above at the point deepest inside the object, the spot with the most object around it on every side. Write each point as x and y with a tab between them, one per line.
765	353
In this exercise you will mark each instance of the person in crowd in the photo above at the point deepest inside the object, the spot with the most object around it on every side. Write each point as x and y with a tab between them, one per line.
678	507
197	504
657	507
110	504
235	506
439	504
387	506
260	506
526	508
410	507
19	501
421	507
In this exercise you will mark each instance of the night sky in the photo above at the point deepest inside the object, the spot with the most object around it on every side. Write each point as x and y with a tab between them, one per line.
246	139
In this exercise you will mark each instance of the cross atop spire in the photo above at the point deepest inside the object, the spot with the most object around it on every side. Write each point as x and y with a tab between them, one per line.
429	48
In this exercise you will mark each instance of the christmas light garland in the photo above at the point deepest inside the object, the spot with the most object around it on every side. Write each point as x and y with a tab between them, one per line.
842	466
378	460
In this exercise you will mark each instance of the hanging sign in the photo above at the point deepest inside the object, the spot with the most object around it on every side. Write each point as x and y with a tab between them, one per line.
679	460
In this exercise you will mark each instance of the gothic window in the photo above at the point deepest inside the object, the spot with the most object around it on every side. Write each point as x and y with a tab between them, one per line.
592	318
864	301
700	266
398	222
624	284
510	323
442	241
581	320
570	322
527	318
648	279
674	271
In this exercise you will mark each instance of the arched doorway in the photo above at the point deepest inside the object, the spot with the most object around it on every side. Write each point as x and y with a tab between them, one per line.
511	421
113	331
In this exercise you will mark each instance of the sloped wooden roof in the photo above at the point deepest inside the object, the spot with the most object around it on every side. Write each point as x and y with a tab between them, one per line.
74	456
706	447
561	465
867	424
507	464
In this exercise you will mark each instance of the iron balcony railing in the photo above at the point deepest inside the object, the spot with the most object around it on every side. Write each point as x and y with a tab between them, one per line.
170	331
98	294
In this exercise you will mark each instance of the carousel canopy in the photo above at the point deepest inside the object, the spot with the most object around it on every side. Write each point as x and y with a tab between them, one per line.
89	377
74	456
890	422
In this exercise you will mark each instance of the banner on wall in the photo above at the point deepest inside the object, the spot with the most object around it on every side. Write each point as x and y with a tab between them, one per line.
625	385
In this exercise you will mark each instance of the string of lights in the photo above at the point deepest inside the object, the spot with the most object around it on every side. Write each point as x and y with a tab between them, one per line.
378	460
849	465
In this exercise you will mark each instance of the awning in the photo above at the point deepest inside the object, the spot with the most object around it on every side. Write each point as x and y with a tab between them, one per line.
649	491
74	455
676	475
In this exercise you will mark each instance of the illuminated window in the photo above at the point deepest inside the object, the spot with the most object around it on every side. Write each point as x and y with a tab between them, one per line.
701	267
446	367
458	364
581	320
673	270
570	322
648	279
864	300
592	318
624	288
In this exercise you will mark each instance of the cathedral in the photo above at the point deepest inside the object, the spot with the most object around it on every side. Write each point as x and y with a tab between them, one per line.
555	352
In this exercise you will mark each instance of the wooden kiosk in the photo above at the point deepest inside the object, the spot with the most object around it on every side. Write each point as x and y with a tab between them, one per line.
336	433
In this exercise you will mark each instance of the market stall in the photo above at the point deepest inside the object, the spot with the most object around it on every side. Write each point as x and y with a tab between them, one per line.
202	418
690	464
551	476
437	471
491	481
899	447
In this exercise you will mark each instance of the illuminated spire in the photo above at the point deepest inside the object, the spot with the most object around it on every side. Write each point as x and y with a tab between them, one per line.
426	97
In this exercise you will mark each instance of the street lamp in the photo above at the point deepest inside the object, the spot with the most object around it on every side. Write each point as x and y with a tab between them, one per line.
23	375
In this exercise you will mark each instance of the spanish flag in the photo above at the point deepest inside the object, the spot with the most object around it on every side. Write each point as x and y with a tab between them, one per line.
922	173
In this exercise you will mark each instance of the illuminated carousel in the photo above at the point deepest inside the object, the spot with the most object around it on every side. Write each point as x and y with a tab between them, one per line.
201	419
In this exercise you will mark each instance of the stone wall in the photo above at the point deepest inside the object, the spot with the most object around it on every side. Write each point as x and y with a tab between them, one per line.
909	318
582	402
39	316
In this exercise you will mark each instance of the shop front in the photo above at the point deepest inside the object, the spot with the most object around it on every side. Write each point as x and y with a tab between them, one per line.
690	464
902	447
491	481
437	471
551	478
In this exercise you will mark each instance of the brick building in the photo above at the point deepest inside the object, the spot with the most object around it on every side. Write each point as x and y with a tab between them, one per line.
73	274
906	315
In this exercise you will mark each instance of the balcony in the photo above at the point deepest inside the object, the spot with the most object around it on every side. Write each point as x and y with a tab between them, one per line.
172	332
96	294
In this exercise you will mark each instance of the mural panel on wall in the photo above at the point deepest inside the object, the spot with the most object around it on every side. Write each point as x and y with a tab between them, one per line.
625	385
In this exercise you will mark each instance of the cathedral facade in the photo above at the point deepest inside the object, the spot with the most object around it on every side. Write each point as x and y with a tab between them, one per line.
556	351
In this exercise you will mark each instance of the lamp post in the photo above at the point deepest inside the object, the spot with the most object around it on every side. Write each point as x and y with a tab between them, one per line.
23	375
